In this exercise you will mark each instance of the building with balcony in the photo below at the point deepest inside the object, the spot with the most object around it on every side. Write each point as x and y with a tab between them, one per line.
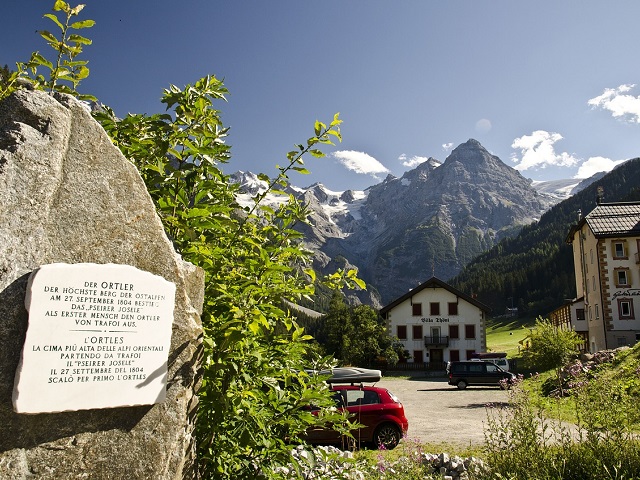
606	246
437	323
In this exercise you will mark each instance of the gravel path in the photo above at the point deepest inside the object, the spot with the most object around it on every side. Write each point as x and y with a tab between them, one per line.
440	413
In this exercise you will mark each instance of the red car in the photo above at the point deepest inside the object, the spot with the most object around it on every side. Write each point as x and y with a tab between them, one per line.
376	408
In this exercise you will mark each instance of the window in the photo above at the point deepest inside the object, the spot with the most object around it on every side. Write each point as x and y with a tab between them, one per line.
338	397
453	332
619	250
591	252
469	354
417	356
597	311
416	309
625	309
469	331
622	277
622	342
361	397
454	355
580	314
417	332
593	283
475	367
402	332
434	308
453	308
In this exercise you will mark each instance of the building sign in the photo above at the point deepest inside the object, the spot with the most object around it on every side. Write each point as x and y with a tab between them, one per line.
434	320
630	292
98	337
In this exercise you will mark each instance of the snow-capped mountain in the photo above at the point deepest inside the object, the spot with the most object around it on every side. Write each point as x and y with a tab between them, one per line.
431	221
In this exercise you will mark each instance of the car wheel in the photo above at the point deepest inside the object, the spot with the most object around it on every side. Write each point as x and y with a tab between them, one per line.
462	385
386	436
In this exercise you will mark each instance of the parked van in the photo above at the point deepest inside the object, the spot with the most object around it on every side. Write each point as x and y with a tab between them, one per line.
478	372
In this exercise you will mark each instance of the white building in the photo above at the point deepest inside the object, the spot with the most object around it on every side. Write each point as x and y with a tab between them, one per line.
606	246
437	323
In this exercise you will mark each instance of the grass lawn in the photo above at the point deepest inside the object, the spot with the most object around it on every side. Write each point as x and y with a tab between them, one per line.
504	335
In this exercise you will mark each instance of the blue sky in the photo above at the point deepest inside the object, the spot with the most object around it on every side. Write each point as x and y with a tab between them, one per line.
551	87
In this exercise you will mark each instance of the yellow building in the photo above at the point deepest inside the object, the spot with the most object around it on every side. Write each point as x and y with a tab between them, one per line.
606	246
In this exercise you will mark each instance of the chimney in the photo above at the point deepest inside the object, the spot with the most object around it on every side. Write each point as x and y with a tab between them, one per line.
600	197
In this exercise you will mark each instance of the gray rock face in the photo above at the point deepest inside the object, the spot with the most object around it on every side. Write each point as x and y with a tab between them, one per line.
68	195
431	221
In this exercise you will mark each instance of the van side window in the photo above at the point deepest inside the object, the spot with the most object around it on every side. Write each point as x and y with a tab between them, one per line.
491	367
459	367
476	367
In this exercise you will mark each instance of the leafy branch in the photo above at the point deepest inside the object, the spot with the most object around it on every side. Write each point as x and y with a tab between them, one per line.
66	68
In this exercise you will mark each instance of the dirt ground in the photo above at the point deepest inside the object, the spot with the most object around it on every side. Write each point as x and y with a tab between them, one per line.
440	413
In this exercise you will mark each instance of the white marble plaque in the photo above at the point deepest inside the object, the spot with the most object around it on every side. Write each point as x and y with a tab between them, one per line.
98	337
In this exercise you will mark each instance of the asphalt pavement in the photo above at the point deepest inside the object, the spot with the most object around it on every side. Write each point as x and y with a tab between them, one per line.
440	413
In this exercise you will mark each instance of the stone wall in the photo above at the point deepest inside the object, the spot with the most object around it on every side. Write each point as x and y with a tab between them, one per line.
67	195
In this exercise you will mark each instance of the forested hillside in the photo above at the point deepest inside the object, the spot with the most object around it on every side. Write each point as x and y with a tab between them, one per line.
534	271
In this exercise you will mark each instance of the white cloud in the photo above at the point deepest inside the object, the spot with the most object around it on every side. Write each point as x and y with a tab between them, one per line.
360	162
413	161
483	125
447	147
595	165
619	103
538	151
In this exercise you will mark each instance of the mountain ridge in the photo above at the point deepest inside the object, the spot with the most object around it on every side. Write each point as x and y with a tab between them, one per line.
431	221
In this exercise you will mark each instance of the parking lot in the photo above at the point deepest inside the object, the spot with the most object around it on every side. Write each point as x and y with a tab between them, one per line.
440	413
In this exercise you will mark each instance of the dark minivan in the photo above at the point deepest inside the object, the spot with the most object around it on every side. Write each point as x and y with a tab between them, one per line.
475	372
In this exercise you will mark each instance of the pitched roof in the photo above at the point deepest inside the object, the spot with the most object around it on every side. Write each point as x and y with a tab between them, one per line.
615	219
434	283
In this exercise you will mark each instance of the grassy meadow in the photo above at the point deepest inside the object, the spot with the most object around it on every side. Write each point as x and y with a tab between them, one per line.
505	335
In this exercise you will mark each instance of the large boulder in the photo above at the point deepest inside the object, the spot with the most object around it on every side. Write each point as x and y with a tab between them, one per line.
67	195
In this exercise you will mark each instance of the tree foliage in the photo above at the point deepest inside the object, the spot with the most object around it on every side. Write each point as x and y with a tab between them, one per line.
356	335
550	347
255	390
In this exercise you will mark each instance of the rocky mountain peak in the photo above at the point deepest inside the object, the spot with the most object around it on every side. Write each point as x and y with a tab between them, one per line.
473	156
432	220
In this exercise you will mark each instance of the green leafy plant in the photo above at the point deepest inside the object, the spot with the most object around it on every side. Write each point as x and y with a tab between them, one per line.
550	347
256	394
66	71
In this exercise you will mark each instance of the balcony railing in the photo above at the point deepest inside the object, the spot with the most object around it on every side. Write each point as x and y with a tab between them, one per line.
437	341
